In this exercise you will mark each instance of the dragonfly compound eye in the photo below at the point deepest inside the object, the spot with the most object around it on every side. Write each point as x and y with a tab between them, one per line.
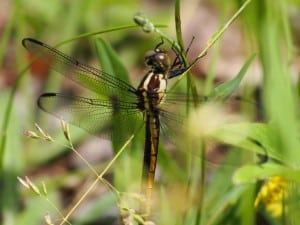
158	60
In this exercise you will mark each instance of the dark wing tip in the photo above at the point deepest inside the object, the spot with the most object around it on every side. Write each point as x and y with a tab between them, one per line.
48	94
26	40
43	96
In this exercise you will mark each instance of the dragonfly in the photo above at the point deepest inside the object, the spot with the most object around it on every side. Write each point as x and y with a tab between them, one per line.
120	100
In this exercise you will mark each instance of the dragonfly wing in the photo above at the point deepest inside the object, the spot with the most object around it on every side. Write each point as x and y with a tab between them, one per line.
184	120
177	107
92	115
87	76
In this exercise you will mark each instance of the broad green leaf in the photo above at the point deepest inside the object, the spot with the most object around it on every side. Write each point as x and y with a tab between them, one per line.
255	137
109	60
252	173
111	64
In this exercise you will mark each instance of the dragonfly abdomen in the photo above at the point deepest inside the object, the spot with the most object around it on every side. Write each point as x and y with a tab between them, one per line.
150	159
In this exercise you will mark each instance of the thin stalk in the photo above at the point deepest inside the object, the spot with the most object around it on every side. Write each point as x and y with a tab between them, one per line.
201	191
99	178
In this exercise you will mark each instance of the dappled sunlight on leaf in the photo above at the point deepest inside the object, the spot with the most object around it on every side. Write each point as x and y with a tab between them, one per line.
209	118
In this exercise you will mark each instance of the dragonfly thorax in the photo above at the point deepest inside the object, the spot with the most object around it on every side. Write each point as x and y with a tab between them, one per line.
152	90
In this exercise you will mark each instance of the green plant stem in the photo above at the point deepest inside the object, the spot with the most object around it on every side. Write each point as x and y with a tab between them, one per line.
202	184
7	114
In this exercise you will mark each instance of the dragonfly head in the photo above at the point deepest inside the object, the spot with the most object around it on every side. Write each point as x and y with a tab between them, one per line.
158	60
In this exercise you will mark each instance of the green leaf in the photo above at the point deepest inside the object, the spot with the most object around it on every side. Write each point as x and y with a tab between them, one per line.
109	60
111	64
224	90
252	173
256	137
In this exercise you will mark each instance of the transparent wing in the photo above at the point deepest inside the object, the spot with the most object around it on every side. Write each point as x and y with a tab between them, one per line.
184	120
92	115
89	77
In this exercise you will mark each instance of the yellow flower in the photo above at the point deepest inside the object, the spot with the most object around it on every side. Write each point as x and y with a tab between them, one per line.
272	194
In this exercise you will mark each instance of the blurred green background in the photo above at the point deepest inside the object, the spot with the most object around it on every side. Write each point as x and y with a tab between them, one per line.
269	28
